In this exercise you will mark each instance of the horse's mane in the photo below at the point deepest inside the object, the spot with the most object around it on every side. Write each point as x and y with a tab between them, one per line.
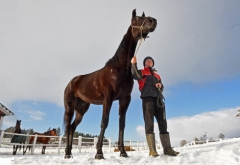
38	133
119	51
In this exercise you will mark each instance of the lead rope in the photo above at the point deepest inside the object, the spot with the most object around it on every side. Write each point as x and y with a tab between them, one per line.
160	97
141	40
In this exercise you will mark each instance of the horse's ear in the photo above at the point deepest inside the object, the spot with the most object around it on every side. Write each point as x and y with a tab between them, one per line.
20	120
134	13
143	15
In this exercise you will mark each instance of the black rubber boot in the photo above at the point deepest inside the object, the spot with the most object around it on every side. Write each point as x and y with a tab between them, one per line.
167	149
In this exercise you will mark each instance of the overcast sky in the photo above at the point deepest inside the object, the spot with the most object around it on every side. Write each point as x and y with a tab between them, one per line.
43	44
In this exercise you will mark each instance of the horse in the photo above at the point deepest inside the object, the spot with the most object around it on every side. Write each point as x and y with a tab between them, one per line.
43	140
18	138
112	82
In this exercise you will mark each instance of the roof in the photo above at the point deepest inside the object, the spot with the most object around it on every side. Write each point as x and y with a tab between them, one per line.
237	114
4	111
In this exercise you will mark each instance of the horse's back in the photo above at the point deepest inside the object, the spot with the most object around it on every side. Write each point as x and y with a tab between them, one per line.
93	87
15	139
18	139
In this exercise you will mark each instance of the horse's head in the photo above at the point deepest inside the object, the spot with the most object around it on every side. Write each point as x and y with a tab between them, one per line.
18	123
53	132
141	26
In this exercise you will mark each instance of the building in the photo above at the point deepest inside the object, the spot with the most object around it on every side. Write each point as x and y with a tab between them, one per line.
4	111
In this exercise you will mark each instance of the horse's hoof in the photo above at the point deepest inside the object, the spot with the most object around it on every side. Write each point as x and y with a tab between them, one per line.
125	155
68	156
14	153
99	156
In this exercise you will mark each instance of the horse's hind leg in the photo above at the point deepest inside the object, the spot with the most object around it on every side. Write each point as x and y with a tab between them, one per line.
81	107
69	111
24	151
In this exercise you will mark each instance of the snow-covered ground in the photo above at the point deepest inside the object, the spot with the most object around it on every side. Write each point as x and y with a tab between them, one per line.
226	152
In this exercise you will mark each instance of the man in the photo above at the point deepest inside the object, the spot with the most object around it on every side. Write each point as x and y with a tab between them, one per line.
151	87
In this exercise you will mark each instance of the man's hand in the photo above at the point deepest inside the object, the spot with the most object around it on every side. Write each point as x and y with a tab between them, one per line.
134	60
158	85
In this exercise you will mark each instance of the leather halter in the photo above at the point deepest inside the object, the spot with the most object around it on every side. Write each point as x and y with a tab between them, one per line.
141	29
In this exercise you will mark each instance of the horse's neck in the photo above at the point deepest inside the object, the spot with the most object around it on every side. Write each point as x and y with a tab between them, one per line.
18	130
46	133
125	51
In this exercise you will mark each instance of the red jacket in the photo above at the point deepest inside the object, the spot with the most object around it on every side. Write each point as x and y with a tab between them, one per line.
146	72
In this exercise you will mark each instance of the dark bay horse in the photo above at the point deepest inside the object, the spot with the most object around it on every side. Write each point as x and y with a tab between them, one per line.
113	82
43	140
18	138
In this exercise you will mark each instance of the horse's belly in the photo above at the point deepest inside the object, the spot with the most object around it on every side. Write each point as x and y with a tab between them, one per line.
91	97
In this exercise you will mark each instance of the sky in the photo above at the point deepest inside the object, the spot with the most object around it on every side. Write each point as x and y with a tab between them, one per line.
44	44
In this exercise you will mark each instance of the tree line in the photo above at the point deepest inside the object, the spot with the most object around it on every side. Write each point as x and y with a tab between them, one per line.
201	139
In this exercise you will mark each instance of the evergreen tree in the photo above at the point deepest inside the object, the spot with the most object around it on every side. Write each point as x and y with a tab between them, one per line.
58	131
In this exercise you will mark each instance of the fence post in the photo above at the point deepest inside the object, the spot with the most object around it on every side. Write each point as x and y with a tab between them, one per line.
59	144
206	141
2	133
95	142
80	143
34	142
109	144
137	146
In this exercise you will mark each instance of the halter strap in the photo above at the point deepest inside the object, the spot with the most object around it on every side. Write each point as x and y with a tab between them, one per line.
141	38
140	27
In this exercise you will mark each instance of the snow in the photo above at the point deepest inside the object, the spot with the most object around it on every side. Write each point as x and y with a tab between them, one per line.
226	152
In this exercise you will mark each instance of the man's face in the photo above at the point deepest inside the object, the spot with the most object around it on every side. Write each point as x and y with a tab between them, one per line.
149	63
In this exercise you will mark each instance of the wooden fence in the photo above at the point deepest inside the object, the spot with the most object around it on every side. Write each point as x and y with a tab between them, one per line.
80	144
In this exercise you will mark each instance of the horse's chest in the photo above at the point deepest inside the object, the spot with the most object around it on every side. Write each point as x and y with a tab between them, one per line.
123	88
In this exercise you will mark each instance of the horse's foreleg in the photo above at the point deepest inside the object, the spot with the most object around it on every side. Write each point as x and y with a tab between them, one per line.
105	119
123	106
14	151
23	148
43	149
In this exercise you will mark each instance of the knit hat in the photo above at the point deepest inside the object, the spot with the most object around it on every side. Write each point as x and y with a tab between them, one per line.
148	57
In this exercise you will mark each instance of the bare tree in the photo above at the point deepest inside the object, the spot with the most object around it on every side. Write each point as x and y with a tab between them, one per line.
196	139
182	143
